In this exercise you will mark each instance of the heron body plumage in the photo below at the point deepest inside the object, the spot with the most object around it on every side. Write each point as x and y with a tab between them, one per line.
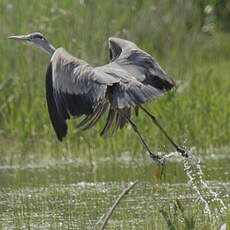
79	89
75	89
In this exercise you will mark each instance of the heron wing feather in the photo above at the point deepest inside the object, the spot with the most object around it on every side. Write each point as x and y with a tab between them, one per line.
128	91
76	89
140	64
57	121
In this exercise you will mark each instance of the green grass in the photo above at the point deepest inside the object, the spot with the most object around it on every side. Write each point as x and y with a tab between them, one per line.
197	111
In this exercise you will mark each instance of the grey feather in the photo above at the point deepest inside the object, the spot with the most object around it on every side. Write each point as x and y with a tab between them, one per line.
139	64
88	118
132	78
97	116
74	88
109	121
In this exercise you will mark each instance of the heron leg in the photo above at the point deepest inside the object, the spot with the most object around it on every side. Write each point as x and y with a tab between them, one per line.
177	147
154	156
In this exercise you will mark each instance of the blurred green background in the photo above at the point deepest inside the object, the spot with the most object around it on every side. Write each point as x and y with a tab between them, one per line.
189	38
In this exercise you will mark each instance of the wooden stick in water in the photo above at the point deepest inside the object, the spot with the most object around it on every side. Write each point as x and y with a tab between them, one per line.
111	210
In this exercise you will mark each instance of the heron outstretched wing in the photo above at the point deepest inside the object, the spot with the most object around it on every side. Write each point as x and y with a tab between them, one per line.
128	92
74	88
142	79
140	64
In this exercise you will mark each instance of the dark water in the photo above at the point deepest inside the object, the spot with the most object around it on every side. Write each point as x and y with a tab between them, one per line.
73	195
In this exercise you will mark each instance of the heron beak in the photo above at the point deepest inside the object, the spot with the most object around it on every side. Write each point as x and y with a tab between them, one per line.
19	37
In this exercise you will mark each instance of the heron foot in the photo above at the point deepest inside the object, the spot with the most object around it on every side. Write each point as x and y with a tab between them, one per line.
182	151
157	159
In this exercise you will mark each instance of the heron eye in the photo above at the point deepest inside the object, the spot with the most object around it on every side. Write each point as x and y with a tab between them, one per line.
39	37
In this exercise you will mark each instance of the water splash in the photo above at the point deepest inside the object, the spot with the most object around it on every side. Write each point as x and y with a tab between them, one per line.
166	156
214	206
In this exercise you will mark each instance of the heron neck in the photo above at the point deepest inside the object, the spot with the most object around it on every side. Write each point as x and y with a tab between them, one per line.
50	49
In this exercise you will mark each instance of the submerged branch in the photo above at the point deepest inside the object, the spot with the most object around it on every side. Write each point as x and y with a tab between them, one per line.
111	210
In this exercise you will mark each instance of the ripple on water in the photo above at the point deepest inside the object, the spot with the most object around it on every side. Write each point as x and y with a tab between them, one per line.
75	195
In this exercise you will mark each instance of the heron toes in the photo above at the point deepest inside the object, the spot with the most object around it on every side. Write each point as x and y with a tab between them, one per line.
157	159
182	151
185	154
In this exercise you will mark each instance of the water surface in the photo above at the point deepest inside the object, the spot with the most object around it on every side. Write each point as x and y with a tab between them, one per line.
73	195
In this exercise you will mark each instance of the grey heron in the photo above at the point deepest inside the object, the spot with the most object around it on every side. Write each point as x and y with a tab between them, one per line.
75	89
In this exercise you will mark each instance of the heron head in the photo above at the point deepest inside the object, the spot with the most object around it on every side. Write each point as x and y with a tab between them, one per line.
36	39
